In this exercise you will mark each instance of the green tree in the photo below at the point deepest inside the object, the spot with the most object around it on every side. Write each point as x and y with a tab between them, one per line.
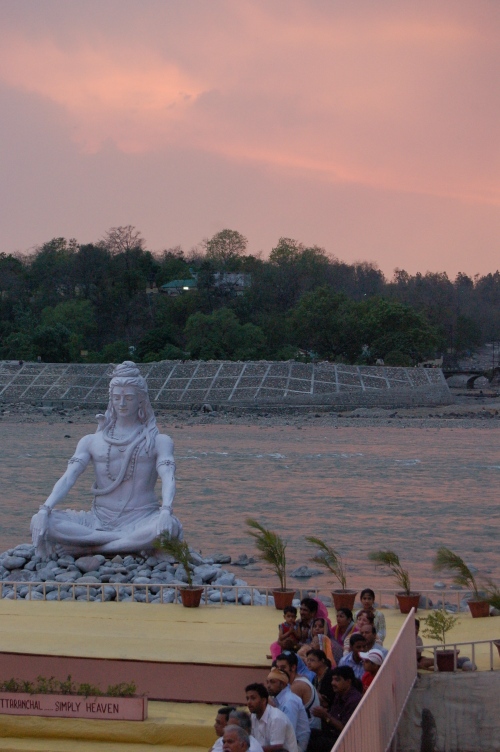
220	336
17	346
225	248
52	343
77	315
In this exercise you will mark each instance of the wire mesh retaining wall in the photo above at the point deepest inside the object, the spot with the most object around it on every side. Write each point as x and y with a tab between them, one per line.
374	722
186	383
24	589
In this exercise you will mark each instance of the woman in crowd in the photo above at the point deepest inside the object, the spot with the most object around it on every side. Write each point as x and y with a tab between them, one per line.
362	617
318	663
341	631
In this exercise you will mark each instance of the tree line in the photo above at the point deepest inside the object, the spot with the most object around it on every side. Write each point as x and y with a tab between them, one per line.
99	302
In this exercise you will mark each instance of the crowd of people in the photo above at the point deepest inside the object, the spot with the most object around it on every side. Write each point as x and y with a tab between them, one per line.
319	674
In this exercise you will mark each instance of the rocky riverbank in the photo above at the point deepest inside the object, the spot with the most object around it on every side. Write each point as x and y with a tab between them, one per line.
469	409
97	578
154	577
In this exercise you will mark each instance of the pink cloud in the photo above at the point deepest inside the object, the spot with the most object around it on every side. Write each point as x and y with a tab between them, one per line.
395	98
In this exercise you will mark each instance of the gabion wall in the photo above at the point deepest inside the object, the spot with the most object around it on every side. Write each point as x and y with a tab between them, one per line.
175	383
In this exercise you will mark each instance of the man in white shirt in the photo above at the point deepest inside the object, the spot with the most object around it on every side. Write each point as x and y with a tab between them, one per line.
270	726
235	739
279	689
221	721
242	719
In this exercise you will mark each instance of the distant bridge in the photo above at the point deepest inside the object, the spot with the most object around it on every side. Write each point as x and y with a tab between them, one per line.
492	374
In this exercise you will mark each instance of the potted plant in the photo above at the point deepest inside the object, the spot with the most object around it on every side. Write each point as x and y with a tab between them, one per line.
390	560
447	560
492	593
438	623
179	550
272	550
332	561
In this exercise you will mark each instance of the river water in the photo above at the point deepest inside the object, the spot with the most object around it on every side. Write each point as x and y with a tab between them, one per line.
359	488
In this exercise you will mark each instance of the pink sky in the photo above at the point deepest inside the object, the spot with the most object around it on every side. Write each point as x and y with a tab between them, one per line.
368	128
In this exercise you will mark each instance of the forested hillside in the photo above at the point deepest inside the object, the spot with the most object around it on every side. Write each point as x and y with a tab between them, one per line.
101	302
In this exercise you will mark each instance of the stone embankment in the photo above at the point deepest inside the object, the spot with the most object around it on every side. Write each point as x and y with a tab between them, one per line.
84	578
154	579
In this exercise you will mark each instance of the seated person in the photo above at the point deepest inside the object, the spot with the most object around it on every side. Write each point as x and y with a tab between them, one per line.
370	634
289	633
372	660
321	640
221	720
368	604
308	613
278	686
270	726
300	685
235	739
341	631
353	659
242	719
317	661
362	618
346	698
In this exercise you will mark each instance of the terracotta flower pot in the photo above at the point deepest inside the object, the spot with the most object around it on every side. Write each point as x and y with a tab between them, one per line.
407	602
191	596
283	598
445	660
344	598
479	609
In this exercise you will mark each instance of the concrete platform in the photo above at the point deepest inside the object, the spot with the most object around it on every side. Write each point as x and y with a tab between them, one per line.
209	653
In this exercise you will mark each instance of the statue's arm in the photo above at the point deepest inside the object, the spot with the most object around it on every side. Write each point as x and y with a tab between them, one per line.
165	466
76	466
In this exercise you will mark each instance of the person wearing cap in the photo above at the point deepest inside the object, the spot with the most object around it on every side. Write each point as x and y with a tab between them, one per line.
372	660
278	686
270	726
345	701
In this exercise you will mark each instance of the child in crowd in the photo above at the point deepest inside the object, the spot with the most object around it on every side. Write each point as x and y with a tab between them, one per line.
372	660
368	604
288	633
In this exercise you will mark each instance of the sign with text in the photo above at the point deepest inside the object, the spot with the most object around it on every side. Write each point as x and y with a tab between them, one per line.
75	706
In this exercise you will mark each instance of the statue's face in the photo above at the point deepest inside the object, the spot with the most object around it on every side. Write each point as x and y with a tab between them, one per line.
126	401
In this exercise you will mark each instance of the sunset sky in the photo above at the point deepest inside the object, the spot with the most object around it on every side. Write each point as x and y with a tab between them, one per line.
370	128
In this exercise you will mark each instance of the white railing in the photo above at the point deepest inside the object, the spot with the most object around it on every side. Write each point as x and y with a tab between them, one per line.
252	590
374	722
493	646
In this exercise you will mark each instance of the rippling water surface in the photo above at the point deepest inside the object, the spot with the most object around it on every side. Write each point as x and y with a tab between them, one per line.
410	489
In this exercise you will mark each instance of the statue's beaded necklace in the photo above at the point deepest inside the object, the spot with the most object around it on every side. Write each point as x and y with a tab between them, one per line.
109	437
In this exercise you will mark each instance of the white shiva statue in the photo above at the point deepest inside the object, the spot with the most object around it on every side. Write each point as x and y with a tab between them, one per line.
128	455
